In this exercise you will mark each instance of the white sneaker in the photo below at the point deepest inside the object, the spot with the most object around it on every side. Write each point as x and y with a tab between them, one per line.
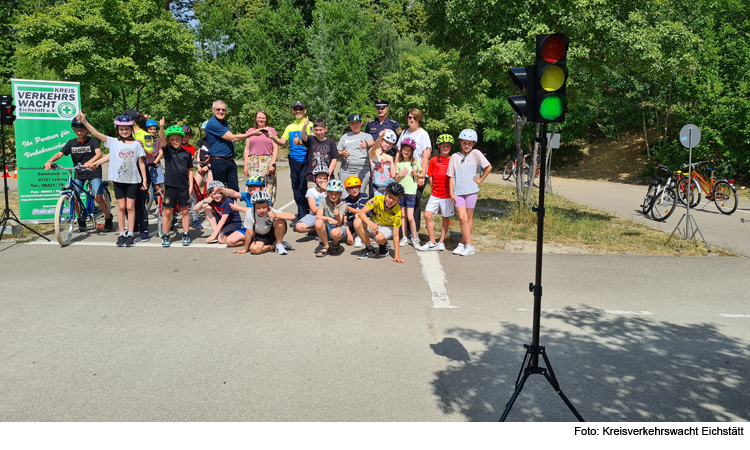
459	249
280	249
415	243
286	245
468	250
358	242
440	247
428	246
404	241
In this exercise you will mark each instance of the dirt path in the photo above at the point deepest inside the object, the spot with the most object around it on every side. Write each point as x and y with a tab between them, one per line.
619	160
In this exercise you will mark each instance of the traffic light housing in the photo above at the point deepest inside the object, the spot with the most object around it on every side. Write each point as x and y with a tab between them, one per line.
6	110
543	83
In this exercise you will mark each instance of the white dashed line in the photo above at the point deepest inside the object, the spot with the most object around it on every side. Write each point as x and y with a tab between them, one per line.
433	273
596	311
736	316
177	244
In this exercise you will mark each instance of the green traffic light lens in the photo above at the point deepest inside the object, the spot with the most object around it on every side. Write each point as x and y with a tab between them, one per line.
552	107
552	78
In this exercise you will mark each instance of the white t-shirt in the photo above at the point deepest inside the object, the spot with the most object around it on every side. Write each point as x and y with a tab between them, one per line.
123	161
358	156
259	225
316	195
421	138
463	168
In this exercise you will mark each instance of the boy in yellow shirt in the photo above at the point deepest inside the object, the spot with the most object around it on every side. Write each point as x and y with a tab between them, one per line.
384	222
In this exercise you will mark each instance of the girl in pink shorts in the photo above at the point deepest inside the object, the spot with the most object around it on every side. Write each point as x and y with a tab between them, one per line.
463	186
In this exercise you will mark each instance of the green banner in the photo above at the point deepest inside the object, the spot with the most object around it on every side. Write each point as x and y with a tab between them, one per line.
44	110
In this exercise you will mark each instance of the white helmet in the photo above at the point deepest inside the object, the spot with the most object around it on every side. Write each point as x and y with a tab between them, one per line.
260	197
214	184
468	135
390	136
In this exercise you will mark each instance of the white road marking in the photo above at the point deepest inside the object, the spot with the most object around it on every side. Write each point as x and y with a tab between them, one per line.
736	316
177	244
286	206
433	273
597	311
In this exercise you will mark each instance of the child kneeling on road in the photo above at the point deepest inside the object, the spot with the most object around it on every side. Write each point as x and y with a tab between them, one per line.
354	204
178	181
264	227
385	223
314	196
218	210
329	221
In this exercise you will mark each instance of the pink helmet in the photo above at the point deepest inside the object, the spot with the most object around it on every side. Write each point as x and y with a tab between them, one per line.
410	142
124	120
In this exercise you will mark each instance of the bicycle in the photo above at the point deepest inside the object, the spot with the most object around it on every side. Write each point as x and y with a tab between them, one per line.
510	169
664	201
653	188
721	191
66	215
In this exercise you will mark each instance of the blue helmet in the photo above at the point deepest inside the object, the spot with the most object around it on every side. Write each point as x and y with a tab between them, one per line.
256	181
151	123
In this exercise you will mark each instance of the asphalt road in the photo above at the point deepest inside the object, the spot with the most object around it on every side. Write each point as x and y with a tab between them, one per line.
92	332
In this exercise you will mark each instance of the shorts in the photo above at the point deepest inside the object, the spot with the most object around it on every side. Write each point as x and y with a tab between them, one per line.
126	190
174	196
469	200
157	175
230	228
385	229
408	201
330	227
267	239
442	206
309	220
97	186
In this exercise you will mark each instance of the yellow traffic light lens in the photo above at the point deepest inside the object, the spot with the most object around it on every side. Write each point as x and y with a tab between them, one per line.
552	78
552	107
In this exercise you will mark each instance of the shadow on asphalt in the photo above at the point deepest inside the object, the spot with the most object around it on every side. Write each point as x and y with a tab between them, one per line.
635	370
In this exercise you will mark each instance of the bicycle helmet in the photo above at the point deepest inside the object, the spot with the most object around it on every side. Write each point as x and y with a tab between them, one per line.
214	184
395	189
256	181
203	125
320	169
124	120
260	197
445	138
187	130
75	123
174	130
335	186
151	123
468	135
390	136
352	182
410	142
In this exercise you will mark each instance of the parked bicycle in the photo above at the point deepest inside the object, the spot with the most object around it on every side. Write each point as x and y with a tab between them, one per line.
722	191
511	169
74	204
661	199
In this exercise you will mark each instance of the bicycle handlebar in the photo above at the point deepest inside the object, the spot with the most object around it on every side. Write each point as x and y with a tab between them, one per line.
76	167
697	163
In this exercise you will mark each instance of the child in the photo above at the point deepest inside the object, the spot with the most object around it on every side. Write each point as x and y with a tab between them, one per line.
386	221
264	226
314	195
85	150
329	220
178	181
440	200
155	170
355	201
127	171
217	205
252	185
463	186
321	151
383	166
408	172
186	140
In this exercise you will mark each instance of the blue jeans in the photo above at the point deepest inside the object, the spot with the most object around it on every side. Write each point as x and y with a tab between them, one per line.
299	186
96	185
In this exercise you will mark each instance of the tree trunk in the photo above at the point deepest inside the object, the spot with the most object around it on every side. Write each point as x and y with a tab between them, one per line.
530	184
519	160
645	130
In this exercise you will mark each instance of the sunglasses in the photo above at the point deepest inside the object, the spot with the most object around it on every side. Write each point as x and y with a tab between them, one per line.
220	109
410	118
298	109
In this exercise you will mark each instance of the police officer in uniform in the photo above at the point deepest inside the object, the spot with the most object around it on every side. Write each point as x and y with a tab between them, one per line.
383	122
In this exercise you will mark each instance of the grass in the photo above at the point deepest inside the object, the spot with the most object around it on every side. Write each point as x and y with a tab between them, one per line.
569	227
47	229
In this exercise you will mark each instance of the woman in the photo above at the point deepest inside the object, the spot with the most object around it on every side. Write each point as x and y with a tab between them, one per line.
261	153
422	153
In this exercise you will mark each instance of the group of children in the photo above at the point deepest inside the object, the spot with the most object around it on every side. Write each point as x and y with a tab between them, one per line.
334	218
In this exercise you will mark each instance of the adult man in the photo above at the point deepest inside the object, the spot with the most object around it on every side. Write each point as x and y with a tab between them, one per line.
221	146
375	126
353	148
147	141
297	155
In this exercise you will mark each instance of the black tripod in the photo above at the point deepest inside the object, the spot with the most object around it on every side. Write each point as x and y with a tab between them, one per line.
531	360
8	213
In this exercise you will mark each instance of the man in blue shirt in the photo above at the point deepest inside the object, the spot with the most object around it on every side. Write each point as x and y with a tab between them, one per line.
221	146
383	122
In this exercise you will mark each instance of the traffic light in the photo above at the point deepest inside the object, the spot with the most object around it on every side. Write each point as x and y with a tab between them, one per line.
522	77
551	77
6	110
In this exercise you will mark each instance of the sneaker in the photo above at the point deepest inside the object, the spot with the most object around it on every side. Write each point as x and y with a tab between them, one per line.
197	224
383	252
317	238
440	247
280	249
358	242
415	243
287	245
165	240
185	239
366	253
428	246
404	241
129	240
81	225
459	249
108	224
120	241
145	237
468	250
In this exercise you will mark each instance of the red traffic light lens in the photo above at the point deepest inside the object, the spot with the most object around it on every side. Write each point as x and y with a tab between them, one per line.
553	48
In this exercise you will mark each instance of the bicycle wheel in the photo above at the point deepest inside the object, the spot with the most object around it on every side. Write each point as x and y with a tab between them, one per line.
508	171
648	200
150	200
159	216
695	192
663	204
725	197
64	219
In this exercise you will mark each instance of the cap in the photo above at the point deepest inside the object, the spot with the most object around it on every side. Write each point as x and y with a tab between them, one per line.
299	103
354	118
381	103
132	113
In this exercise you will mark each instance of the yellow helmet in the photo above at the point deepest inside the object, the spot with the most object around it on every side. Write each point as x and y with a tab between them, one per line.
352	182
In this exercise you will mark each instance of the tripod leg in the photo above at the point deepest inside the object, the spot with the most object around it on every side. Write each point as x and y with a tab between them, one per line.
519	386
549	374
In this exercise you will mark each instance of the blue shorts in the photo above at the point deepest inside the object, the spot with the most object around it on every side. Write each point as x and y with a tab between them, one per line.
408	201
97	186
330	226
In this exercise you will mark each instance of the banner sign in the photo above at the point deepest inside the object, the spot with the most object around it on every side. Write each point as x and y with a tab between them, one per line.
44	110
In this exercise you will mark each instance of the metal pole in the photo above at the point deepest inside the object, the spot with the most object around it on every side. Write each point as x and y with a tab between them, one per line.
690	181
